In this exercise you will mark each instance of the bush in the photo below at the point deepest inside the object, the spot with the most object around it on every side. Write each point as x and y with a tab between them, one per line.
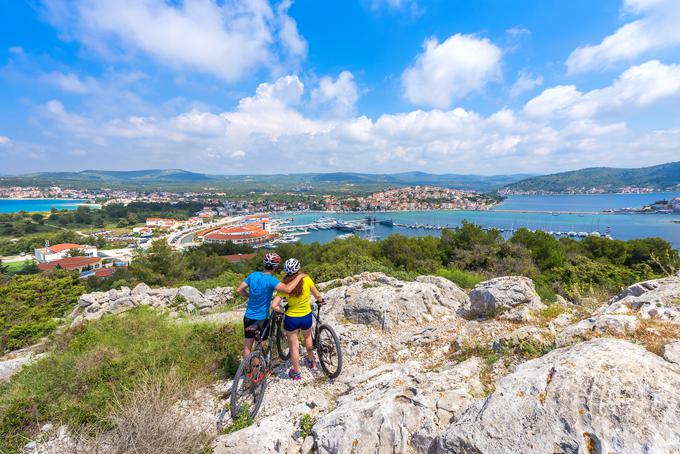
463	279
99	363
31	303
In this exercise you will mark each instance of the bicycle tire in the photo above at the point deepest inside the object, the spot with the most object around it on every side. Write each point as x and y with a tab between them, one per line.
282	346
327	349
258	389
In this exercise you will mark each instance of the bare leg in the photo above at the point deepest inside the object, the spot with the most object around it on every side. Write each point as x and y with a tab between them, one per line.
247	346
294	350
309	344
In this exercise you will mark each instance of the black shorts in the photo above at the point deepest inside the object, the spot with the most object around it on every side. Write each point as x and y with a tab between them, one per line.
260	325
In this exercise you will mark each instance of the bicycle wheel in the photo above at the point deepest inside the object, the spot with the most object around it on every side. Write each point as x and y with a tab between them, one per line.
250	382
328	348
282	341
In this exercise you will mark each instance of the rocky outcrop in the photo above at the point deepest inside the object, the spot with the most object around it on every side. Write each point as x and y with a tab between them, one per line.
514	296
655	299
377	300
92	306
600	396
397	408
617	324
671	352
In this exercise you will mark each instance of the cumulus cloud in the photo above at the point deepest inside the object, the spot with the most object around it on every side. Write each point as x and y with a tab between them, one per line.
270	132
638	86
450	70
226	39
4	140
525	82
339	95
655	28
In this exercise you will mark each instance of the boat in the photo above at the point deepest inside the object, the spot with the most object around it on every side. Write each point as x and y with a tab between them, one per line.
387	222
343	227
345	236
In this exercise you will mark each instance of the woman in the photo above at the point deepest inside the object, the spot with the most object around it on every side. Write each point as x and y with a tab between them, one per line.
298	315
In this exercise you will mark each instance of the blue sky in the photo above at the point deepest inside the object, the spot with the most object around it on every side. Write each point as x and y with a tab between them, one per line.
473	86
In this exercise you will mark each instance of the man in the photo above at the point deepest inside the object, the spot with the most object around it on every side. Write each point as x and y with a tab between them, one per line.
259	287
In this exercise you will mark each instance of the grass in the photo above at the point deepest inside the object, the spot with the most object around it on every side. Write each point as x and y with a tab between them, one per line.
461	278
243	420
13	267
307	423
98	363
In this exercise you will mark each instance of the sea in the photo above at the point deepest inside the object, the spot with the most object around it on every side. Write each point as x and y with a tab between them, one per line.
558	213
31	205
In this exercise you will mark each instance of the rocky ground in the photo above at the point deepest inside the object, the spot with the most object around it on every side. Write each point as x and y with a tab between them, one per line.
429	368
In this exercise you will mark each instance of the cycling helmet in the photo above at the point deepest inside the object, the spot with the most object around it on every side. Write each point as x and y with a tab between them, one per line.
291	266
271	260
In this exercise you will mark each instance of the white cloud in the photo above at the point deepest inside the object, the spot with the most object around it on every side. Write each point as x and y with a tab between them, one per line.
638	86
224	39
396	5
525	82
71	82
450	70
656	28
4	140
340	94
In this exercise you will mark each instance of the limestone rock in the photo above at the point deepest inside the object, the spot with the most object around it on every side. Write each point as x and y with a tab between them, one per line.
192	296
140	292
378	300
605	395
671	352
657	299
600	324
219	295
397	408
273	434
505	293
524	334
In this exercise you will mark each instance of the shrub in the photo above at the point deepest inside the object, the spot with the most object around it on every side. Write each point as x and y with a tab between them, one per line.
307	423
464	279
99	363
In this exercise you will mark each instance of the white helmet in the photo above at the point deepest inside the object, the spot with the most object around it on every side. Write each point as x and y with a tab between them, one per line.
291	266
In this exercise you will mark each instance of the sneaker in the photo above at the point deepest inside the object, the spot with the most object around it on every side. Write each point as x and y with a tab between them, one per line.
294	375
310	363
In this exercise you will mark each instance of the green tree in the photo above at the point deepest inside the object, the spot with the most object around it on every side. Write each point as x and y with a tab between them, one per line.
159	265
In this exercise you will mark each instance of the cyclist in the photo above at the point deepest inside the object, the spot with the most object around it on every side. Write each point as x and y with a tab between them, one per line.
298	314
259	287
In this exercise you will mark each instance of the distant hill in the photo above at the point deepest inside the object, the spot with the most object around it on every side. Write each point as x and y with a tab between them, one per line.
335	181
608	179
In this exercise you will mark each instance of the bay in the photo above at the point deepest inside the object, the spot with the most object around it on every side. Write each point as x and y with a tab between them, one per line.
30	205
619	226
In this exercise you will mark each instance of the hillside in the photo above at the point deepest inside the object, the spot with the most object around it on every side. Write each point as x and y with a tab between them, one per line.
175	179
602	179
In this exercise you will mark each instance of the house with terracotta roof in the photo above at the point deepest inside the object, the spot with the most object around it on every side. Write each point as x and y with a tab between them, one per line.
61	250
161	223
79	264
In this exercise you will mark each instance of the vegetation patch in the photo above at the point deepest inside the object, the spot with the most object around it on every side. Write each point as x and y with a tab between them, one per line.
307	423
30	305
463	279
243	420
99	364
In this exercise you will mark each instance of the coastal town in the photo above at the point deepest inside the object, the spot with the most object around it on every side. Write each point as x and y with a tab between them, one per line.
397	199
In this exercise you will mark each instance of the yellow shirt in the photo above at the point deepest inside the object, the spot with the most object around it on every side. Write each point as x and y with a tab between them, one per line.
299	306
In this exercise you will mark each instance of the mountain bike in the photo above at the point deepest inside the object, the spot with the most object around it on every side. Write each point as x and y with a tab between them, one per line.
325	342
250	381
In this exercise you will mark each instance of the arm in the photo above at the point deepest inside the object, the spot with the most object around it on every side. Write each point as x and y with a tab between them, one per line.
243	290
276	304
289	287
317	295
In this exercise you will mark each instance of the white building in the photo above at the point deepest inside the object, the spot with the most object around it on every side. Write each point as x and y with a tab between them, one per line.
60	251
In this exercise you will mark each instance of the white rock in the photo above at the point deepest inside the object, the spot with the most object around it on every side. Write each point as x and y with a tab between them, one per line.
655	299
600	324
504	293
140	292
671	352
605	395
397	408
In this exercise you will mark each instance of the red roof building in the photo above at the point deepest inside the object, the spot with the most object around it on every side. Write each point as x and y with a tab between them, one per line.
239	234
72	264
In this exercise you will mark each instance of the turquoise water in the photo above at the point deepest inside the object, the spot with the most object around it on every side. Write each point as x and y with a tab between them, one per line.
620	226
16	205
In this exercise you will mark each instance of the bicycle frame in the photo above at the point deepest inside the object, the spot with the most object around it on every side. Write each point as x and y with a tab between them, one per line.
274	319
